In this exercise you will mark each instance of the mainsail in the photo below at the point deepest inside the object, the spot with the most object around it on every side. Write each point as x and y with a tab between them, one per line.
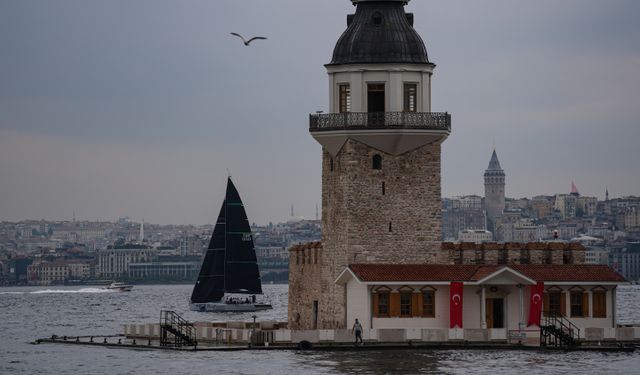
230	264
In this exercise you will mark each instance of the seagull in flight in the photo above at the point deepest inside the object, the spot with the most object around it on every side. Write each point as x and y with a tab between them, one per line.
246	42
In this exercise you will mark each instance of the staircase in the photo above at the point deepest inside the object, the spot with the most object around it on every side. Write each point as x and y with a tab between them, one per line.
175	331
558	332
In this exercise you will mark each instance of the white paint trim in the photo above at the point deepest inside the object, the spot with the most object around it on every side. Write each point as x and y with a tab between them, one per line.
502	270
427	68
348	274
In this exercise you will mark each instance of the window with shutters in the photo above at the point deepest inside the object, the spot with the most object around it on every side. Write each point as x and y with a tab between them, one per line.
599	302
345	98
405	304
428	304
410	97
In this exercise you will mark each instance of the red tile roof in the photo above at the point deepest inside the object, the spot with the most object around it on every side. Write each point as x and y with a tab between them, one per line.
440	272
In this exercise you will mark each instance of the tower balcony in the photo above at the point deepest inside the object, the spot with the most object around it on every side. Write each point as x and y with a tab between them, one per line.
439	121
392	132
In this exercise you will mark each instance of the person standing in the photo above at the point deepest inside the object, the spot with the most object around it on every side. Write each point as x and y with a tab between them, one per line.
357	330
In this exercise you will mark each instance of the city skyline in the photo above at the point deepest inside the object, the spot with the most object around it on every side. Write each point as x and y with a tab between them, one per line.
113	110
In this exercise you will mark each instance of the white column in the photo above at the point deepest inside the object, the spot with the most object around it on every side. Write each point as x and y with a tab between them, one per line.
521	295
613	307
358	92
483	308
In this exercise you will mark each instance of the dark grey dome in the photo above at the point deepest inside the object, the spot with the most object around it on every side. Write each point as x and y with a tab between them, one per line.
380	32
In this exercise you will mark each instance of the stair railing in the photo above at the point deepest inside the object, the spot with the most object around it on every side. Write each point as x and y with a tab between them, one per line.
557	330
176	331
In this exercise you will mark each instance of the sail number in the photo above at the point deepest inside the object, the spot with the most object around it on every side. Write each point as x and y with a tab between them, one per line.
246	236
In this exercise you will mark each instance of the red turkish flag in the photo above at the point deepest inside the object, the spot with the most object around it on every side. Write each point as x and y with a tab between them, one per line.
535	303
455	304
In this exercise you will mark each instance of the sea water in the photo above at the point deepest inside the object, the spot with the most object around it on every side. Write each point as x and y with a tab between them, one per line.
28	313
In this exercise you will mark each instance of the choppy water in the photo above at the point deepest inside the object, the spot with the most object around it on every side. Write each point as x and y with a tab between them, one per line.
30	313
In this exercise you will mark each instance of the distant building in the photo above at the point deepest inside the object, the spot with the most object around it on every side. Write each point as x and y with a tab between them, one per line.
566	205
114	261
632	218
494	194
164	270
626	260
475	235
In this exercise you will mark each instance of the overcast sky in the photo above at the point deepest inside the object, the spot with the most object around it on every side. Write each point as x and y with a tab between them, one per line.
137	108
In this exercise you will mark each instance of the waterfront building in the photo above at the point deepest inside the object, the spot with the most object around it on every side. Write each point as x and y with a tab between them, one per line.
114	261
164	270
472	302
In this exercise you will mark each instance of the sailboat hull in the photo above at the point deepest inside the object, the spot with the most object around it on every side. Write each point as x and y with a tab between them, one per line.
224	307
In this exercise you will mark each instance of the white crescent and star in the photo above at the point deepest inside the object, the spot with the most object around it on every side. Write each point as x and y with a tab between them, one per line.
536	298
454	297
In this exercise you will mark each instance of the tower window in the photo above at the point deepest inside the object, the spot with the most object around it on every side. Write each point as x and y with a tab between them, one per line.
390	227
345	98
331	164
377	161
383	188
377	19
410	97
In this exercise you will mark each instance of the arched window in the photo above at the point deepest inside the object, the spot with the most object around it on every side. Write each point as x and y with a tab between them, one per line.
377	161
331	164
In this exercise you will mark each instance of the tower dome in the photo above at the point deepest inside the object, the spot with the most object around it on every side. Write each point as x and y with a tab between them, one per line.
380	32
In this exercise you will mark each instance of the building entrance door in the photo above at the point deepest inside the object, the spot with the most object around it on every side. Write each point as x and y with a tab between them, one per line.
495	312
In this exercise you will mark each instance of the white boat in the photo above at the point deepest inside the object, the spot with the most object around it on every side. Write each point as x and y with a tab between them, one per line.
229	280
119	287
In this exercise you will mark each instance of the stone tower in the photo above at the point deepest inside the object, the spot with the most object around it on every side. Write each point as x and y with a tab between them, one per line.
493	191
381	200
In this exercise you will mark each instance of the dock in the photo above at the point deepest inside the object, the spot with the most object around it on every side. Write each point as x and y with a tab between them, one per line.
175	334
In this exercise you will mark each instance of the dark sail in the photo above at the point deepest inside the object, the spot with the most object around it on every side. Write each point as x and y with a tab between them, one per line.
230	263
242	274
210	284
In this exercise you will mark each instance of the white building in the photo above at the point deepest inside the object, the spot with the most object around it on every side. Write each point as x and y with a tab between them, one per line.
494	300
114	262
475	235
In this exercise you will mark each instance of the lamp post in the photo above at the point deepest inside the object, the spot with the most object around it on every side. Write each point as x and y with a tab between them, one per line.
253	331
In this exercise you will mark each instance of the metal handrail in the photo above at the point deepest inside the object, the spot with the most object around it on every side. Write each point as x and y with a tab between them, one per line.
562	324
182	331
380	120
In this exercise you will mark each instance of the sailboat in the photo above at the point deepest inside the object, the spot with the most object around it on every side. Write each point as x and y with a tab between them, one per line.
229	279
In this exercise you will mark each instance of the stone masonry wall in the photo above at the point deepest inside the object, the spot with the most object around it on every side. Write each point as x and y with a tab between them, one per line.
305	284
390	215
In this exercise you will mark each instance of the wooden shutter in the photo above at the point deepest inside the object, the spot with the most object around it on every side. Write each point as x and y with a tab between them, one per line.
599	301
375	305
416	304
563	304
585	304
394	302
545	302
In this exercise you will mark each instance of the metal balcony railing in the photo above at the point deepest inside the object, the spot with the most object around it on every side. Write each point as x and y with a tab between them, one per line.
380	120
